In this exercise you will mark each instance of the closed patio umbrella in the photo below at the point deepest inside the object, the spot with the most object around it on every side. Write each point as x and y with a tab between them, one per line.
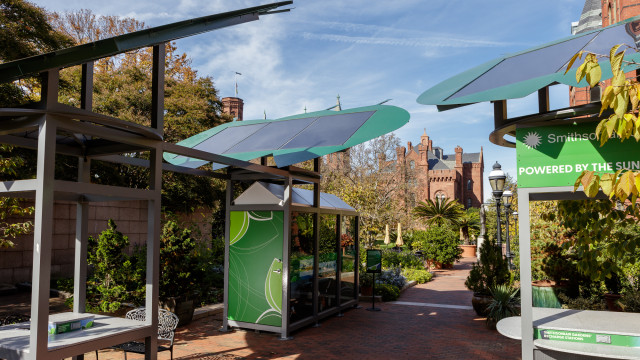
399	241
386	235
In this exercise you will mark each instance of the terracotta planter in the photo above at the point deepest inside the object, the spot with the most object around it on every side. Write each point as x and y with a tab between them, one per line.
481	303
545	293
468	251
439	265
612	301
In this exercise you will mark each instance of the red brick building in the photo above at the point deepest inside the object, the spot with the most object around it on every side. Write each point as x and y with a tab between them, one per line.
596	14
433	174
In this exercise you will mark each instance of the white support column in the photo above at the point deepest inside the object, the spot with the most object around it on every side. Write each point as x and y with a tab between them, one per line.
288	188
526	299
227	237
43	230
153	251
82	238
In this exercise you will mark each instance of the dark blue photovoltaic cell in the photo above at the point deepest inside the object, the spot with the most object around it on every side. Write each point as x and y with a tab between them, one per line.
329	130
222	141
526	66
272	136
616	35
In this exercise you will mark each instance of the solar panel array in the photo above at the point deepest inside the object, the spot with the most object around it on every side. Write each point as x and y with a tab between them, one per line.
286	134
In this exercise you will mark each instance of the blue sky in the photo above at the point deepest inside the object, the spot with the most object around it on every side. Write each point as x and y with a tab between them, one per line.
365	51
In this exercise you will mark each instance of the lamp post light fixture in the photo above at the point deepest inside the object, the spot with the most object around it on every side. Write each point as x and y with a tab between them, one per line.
506	199
496	180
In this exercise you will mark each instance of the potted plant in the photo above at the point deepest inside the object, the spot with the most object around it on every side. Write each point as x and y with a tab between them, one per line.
612	297
366	284
505	302
489	271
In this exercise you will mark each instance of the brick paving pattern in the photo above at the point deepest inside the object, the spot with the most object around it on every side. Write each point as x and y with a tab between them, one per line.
397	332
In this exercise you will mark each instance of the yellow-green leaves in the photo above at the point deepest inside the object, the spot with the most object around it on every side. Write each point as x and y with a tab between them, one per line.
590	183
590	69
573	59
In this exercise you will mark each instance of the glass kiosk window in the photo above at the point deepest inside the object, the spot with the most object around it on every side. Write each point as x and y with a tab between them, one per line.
328	263
301	266
348	254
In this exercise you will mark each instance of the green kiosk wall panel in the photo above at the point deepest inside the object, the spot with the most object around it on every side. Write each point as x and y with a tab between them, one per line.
255	267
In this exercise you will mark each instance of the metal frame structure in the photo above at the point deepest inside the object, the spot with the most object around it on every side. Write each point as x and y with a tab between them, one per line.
53	128
302	176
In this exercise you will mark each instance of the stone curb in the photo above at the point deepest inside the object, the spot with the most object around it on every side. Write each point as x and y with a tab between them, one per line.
208	310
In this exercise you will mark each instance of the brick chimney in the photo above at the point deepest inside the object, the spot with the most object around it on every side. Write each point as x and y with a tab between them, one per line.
458	156
233	106
409	146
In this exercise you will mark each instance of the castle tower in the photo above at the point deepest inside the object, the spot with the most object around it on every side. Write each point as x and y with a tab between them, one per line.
233	106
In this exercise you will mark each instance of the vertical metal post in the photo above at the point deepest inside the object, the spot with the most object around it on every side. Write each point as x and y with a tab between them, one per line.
86	87
526	296
43	228
153	252
157	87
339	259
508	254
82	207
227	237
543	100
284	331
316	242
82	226
356	265
499	226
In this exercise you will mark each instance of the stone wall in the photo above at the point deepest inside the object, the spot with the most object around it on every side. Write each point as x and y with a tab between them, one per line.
130	218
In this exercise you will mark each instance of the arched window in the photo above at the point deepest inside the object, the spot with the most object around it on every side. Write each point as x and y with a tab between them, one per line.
441	195
468	202
469	185
412	164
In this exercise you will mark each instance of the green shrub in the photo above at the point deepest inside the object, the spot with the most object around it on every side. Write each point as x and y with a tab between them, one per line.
404	259
440	244
630	301
179	269
491	270
387	291
420	276
116	276
582	303
505	303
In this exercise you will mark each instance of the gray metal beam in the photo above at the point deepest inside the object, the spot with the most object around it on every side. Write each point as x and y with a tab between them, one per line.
42	240
82	239
119	44
286	243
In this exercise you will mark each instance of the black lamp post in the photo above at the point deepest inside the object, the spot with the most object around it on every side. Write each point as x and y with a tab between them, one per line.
506	199
496	180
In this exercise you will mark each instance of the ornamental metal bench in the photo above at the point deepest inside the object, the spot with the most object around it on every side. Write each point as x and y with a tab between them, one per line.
167	323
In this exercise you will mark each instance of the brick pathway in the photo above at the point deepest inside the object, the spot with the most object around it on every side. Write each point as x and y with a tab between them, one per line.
429	321
397	332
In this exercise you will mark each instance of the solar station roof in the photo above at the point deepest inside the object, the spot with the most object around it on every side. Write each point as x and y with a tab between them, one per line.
295	138
518	75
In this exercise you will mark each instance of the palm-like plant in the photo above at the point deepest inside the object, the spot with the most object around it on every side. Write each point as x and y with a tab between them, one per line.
442	211
469	222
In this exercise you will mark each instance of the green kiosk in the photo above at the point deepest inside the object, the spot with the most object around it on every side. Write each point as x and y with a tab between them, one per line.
289	263
291	252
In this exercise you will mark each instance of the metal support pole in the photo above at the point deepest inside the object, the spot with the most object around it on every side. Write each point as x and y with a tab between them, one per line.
286	289
227	236
526	296
509	255
43	228
153	252
499	225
